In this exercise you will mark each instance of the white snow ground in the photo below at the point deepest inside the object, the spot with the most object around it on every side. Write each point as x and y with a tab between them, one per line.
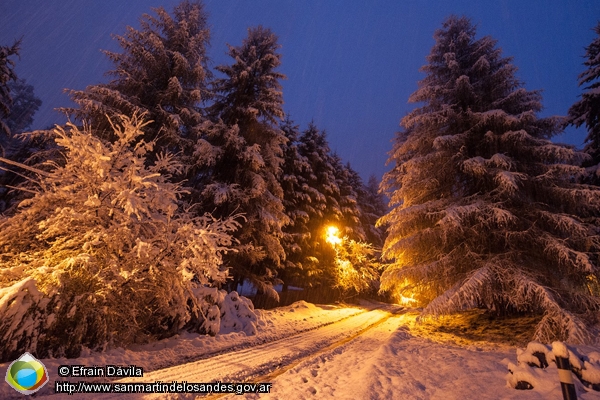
322	352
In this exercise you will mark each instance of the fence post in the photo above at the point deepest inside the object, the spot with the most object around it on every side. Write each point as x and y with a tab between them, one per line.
561	355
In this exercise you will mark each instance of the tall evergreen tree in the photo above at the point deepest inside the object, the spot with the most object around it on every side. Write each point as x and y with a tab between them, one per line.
314	146
322	206
349	184
250	93
587	110
7	77
297	201
485	211
162	72
319	192
241	152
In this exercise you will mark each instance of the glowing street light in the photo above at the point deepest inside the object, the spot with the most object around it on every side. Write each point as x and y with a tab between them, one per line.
332	237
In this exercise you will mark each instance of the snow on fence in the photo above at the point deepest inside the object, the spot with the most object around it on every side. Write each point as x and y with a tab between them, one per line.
541	366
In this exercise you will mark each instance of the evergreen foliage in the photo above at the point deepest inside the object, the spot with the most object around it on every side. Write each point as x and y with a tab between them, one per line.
241	154
103	254
587	110
313	145
7	74
356	264
297	201
323	208
348	183
357	268
319	192
373	206
161	72
24	106
325	193
250	92
485	211
20	147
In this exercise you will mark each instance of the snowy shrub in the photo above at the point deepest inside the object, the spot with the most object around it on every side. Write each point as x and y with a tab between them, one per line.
238	315
103	254
225	313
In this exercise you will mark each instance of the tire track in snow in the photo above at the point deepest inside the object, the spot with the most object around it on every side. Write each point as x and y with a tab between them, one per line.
260	362
269	377
332	348
335	372
267	359
253	343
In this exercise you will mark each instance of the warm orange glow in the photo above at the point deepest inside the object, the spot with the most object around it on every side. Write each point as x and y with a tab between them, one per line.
332	236
406	301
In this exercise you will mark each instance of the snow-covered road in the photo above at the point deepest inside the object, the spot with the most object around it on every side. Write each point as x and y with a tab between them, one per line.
388	362
341	353
254	363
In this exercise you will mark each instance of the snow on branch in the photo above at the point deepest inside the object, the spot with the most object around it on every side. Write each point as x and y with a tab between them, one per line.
463	295
107	242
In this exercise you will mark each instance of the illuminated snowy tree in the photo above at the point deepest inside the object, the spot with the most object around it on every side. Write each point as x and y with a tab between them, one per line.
485	211
349	183
587	110
104	254
321	205
319	191
357	268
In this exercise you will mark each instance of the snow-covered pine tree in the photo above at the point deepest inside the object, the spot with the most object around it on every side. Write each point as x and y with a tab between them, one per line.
242	152
323	209
250	93
162	72
7	78
587	110
357	266
296	201
314	146
485	211
7	74
350	221
103	254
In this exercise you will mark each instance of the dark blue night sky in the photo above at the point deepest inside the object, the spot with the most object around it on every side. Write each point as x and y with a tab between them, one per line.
351	65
